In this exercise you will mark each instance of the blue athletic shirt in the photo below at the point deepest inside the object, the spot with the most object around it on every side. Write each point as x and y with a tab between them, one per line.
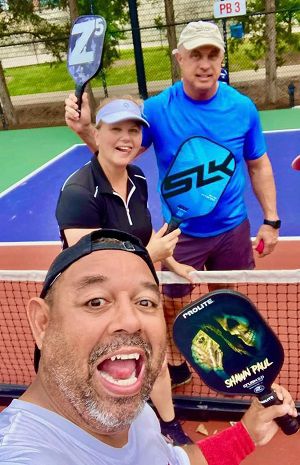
230	120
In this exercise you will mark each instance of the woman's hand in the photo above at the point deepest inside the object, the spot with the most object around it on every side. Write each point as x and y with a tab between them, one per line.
161	247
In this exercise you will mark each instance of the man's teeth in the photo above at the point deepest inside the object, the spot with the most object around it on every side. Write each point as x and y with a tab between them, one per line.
122	382
119	382
125	357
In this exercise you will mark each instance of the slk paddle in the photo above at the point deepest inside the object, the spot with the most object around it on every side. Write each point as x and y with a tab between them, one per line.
85	51
196	179
232	348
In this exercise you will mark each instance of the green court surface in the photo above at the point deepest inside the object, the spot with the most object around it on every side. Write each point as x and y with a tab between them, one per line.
273	120
23	151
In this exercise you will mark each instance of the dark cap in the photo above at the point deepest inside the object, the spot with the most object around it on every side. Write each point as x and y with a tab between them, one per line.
86	245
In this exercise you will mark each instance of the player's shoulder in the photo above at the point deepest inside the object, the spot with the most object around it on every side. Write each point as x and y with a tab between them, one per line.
82	177
234	95
164	97
136	171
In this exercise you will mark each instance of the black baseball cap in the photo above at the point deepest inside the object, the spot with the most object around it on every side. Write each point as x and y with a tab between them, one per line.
86	245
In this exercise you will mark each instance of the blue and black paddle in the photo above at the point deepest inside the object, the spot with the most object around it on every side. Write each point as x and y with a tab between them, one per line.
85	51
196	179
232	348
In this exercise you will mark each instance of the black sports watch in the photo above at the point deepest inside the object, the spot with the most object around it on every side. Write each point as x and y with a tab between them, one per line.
275	224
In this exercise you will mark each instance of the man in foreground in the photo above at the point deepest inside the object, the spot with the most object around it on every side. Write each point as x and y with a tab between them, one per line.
101	338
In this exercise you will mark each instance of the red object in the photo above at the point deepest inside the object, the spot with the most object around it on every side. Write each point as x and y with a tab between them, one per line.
229	447
260	246
296	163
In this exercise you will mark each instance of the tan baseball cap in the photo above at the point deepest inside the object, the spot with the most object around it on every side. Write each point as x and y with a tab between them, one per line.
200	33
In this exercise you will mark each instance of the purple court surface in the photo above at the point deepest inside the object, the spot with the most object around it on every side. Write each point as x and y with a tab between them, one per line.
27	209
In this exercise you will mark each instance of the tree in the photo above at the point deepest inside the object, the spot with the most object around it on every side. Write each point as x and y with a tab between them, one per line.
22	17
169	24
18	17
7	112
270	60
268	28
171	36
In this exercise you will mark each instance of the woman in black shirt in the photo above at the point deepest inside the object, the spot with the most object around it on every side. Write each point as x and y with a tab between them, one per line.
109	192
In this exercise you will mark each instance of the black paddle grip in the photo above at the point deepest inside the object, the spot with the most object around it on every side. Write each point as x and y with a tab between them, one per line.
79	89
287	423
171	226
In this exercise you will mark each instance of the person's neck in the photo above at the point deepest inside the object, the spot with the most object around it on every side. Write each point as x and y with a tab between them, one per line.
117	176
38	395
199	94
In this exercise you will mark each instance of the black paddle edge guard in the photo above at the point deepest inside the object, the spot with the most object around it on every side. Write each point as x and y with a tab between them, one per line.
8	392
195	408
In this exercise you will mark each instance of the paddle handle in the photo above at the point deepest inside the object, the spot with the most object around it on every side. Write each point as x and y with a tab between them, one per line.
260	247
79	89
173	224
287	423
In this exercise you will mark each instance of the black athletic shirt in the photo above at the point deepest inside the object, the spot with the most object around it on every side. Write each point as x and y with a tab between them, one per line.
88	201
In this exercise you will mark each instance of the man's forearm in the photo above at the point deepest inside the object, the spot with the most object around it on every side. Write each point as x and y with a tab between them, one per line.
262	179
87	134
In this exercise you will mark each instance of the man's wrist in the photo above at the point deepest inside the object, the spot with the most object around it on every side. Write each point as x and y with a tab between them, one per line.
229	447
86	129
276	224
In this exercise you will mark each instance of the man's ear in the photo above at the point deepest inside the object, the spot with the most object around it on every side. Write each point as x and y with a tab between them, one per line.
38	317
178	57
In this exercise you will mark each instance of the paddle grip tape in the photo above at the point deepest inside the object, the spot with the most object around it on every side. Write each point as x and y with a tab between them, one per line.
228	447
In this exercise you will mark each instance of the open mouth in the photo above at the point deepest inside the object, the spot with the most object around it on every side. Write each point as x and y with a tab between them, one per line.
203	76
122	372
124	149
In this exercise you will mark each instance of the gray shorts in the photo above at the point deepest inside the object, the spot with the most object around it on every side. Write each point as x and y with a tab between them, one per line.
231	250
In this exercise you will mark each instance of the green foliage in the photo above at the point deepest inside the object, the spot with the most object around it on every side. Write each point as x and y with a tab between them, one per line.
21	18
287	15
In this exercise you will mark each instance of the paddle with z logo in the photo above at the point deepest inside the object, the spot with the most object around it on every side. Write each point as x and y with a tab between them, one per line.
196	179
85	51
232	348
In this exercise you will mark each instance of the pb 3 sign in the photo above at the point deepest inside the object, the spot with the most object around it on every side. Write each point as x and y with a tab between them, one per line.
227	8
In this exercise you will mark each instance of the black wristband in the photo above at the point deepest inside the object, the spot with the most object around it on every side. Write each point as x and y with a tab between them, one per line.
275	224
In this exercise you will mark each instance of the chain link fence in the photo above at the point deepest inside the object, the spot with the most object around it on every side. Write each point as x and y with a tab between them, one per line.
33	77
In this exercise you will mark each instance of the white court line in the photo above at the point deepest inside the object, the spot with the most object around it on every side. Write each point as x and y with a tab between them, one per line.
36	243
29	243
281	130
38	170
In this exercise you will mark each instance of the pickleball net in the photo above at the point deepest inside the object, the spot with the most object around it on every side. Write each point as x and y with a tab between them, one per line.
275	293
